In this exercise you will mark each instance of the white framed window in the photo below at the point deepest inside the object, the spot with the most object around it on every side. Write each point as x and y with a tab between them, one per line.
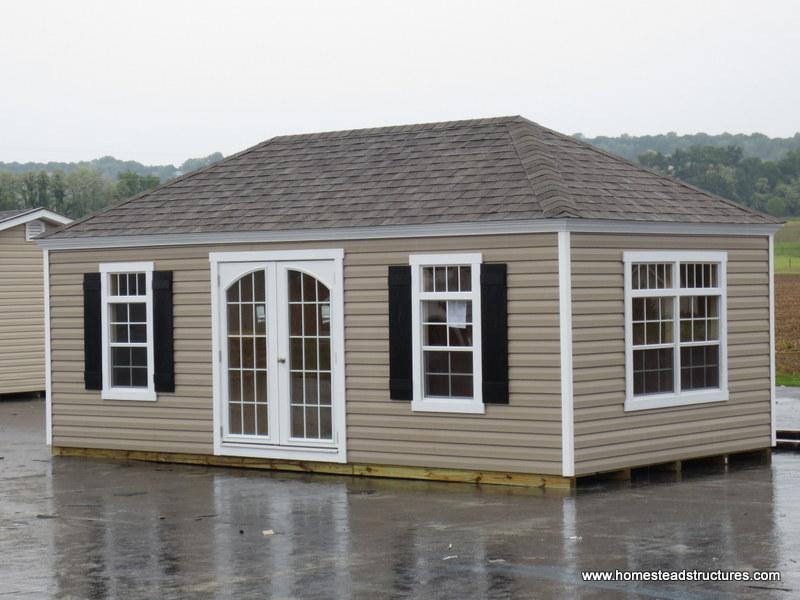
127	331
675	328
446	332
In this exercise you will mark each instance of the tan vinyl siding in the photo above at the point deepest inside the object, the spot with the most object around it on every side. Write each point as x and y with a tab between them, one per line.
608	438
21	313
524	436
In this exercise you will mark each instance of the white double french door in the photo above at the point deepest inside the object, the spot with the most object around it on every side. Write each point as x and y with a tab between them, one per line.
280	384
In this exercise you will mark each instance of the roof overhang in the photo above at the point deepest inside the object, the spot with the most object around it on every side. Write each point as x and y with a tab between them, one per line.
34	214
410	231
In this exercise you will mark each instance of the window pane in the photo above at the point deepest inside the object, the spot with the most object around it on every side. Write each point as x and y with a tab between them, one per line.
460	335
138	312
309	288
139	357
235	417
139	378
427	279
119	333
448	374
435	335
261	319
119	313
651	276
325	423
233	292
699	367
325	388
247	288
248	419
294	287
652	371
138	333
120	357
121	377
434	311
452	279
259	286
699	275
459	311
295	319
466	279
638	309
439	279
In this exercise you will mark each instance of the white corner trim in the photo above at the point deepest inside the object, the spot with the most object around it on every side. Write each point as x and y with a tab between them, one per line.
34	215
48	375
772	399
565	325
409	231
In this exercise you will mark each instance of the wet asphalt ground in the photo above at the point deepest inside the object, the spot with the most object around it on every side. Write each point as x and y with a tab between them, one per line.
84	528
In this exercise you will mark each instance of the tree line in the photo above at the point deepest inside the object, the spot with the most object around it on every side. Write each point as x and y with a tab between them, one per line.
771	186
77	189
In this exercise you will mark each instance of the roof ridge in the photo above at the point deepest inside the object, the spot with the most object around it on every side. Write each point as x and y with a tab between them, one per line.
669	178
546	182
410	127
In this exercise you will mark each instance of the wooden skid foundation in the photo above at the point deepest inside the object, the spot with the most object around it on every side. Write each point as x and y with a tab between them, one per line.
677	468
527	480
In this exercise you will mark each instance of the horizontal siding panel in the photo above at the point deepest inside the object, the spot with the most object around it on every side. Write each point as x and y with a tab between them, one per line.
653	457
607	437
22	358
532	419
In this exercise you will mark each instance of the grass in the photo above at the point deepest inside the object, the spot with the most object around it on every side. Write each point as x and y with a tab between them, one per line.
787	249
787	380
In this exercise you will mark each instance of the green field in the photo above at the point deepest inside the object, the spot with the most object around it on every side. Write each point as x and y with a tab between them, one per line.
787	249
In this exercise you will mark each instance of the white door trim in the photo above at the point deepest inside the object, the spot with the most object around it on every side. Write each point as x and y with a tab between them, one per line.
337	452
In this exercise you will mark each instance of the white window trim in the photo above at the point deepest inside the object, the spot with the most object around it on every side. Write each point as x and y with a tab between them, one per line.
419	402
115	393
651	401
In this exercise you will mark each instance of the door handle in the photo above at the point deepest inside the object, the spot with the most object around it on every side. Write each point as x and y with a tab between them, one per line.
282	360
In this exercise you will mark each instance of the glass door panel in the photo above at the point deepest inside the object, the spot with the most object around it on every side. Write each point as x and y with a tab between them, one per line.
309	357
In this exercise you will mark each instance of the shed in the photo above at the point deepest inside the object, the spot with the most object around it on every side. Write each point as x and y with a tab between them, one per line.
484	300
22	340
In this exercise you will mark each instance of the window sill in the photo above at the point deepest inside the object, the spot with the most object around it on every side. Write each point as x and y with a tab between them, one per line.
675	400
448	406
136	395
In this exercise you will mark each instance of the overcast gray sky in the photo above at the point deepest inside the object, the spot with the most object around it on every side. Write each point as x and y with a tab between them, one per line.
161	81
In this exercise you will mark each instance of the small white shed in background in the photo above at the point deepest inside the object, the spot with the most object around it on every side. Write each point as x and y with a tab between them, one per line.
22	339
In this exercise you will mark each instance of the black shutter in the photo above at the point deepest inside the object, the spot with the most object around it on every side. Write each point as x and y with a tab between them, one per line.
494	333
163	343
400	387
92	337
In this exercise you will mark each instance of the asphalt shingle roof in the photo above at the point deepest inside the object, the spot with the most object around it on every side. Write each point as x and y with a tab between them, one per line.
506	168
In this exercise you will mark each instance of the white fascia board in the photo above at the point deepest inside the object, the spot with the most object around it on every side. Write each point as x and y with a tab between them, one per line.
34	215
409	231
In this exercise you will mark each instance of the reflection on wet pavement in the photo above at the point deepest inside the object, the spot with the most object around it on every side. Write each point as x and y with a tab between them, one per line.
81	528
